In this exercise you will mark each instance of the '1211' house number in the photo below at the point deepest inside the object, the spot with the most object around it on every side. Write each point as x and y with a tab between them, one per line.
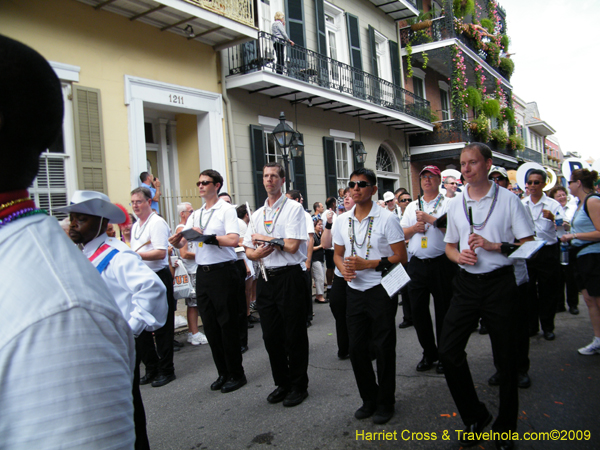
178	99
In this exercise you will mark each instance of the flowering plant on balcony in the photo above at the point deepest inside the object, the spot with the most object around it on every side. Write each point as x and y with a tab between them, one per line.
459	82
499	136
480	129
515	142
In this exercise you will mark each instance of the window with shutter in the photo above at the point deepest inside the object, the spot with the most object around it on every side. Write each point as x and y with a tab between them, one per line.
258	149
329	153
89	139
358	82
49	189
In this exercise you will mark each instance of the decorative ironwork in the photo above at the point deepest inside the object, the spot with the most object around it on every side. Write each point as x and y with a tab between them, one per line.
444	132
384	162
239	10
314	68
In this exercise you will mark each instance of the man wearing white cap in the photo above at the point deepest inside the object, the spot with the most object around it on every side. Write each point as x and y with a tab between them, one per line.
140	294
390	203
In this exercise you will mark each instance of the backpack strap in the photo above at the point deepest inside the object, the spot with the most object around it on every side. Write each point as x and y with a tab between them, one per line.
585	208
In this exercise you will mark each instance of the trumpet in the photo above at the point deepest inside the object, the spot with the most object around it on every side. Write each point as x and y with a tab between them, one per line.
261	264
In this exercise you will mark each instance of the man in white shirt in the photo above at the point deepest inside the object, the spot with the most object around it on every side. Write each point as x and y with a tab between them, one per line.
149	239
430	271
451	186
368	240
544	268
484	219
390	203
140	294
65	347
217	280
279	240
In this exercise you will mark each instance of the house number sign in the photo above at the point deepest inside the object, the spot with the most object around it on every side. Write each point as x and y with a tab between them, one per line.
177	99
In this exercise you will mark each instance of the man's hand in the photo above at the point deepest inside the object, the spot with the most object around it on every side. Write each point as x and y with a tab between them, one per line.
419	227
307	263
260	237
348	273
263	250
175	239
468	257
547	214
354	263
329	216
156	183
476	241
424	217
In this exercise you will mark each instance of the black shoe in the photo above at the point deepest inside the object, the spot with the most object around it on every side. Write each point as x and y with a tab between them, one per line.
148	378
278	395
504	445
233	385
405	324
494	379
383	414
308	323
549	335
343	356
244	349
324	301
161	380
365	411
523	380
176	343
252	319
473	430
295	397
440	368
218	384
483	329
574	310
425	364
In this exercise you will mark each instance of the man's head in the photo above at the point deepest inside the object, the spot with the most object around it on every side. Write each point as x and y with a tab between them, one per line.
146	178
318	208
110	231
398	192
389	200
431	179
242	212
403	200
141	202
31	112
499	176
363	185
184	210
209	183
84	227
225	197
536	181
295	195
273	178
475	163
451	186
331	202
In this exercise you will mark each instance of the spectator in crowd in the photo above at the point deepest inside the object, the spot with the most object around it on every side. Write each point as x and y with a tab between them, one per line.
451	186
153	184
318	259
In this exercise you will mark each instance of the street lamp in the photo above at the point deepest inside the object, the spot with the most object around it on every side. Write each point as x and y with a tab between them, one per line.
283	136
360	153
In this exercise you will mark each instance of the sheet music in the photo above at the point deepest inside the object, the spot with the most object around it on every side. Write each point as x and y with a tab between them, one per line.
527	250
395	279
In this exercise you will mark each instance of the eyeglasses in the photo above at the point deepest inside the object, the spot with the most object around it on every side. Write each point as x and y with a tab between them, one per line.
189	211
388	201
536	182
204	183
137	202
360	184
497	178
428	177
405	200
453	184
574	181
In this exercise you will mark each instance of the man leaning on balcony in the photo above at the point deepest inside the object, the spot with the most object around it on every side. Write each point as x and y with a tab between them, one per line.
280	37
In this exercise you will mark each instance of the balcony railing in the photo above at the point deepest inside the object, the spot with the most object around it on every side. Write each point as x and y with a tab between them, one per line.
444	132
529	154
313	68
239	10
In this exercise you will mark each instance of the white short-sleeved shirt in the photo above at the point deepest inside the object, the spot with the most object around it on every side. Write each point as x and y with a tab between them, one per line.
385	232
190	264
290	223
333	219
239	251
336	271
508	220
435	237
155	230
544	228
220	219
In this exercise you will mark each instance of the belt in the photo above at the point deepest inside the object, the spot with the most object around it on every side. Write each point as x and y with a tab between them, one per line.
427	260
489	275
210	267
280	270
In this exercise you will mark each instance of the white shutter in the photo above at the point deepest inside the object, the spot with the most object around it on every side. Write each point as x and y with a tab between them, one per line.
49	189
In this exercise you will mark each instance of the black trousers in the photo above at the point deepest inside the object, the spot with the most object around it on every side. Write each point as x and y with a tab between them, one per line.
309	303
159	359
430	277
281	303
217	295
544	288
406	309
240	265
568	280
279	51
337	303
139	413
371	318
493	298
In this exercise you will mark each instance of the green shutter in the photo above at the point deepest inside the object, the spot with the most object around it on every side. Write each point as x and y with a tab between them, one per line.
257	147
323	66
358	83
89	139
395	60
300	174
373	45
330	166
294	15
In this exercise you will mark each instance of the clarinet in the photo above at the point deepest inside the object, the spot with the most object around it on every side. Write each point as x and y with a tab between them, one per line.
261	264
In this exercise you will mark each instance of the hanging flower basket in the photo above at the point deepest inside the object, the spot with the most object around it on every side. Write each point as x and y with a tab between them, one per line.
421	25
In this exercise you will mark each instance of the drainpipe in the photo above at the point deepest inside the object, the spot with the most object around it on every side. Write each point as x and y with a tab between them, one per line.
229	123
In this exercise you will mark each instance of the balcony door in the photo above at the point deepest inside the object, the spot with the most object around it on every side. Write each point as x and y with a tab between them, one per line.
336	48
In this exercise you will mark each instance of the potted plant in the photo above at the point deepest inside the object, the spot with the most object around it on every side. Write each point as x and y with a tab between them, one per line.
499	136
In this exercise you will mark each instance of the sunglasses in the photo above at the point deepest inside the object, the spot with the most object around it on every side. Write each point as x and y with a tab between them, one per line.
405	200
204	183
360	184
574	181
389	201
453	184
536	182
497	178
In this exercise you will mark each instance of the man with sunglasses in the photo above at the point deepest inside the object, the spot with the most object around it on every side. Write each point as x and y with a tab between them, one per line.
369	240
544	269
451	186
217	280
430	270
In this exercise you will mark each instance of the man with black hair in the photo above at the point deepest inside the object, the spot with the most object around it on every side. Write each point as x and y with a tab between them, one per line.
331	205
217	281
368	241
67	348
318	209
544	269
153	184
277	238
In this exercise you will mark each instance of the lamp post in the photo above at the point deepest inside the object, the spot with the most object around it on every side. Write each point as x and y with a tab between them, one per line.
287	138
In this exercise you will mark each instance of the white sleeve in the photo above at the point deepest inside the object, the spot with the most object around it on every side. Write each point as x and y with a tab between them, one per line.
452	234
409	218
336	234
230	220
310	226
393	230
248	236
159	234
295	227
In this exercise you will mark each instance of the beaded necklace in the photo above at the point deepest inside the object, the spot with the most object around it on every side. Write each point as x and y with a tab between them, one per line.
203	227
143	227
480	226
13	202
21	213
270	224
367	238
438	200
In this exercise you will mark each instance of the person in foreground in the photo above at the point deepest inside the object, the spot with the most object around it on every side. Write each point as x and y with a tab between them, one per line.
484	287
585	256
368	241
66	352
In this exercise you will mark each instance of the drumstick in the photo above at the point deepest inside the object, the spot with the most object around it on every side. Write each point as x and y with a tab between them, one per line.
471	220
261	264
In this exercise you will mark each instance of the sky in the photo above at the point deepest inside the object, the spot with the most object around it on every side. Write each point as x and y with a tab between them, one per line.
556	48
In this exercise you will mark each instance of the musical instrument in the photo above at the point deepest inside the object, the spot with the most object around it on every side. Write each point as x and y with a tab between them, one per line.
261	264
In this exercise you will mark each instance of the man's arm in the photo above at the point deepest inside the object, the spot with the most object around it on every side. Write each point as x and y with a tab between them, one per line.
153	255
309	250
157	195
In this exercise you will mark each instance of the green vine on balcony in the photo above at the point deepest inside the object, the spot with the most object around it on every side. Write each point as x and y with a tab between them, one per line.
516	142
459	82
409	68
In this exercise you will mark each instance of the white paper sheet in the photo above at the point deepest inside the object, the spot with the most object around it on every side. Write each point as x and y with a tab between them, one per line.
527	250
395	279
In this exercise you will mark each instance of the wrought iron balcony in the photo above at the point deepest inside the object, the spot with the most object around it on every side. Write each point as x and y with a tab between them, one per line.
528	154
313	68
239	10
444	132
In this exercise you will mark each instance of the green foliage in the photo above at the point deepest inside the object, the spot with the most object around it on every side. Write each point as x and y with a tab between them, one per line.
508	115
491	107
463	8
499	136
488	25
493	54
508	66
421	17
425	59
516	142
433	115
409	69
473	98
480	130
505	41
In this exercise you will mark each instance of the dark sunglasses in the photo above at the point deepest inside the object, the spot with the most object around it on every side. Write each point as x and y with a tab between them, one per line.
204	183
405	200
574	181
497	178
536	182
453	184
360	184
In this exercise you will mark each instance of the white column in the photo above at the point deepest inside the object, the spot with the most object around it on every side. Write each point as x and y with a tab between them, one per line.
137	141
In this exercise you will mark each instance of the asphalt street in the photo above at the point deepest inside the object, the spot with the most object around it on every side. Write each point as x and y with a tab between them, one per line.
186	414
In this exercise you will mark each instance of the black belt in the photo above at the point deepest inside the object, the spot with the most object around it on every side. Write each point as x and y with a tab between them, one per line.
489	275
280	270
427	260
210	267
